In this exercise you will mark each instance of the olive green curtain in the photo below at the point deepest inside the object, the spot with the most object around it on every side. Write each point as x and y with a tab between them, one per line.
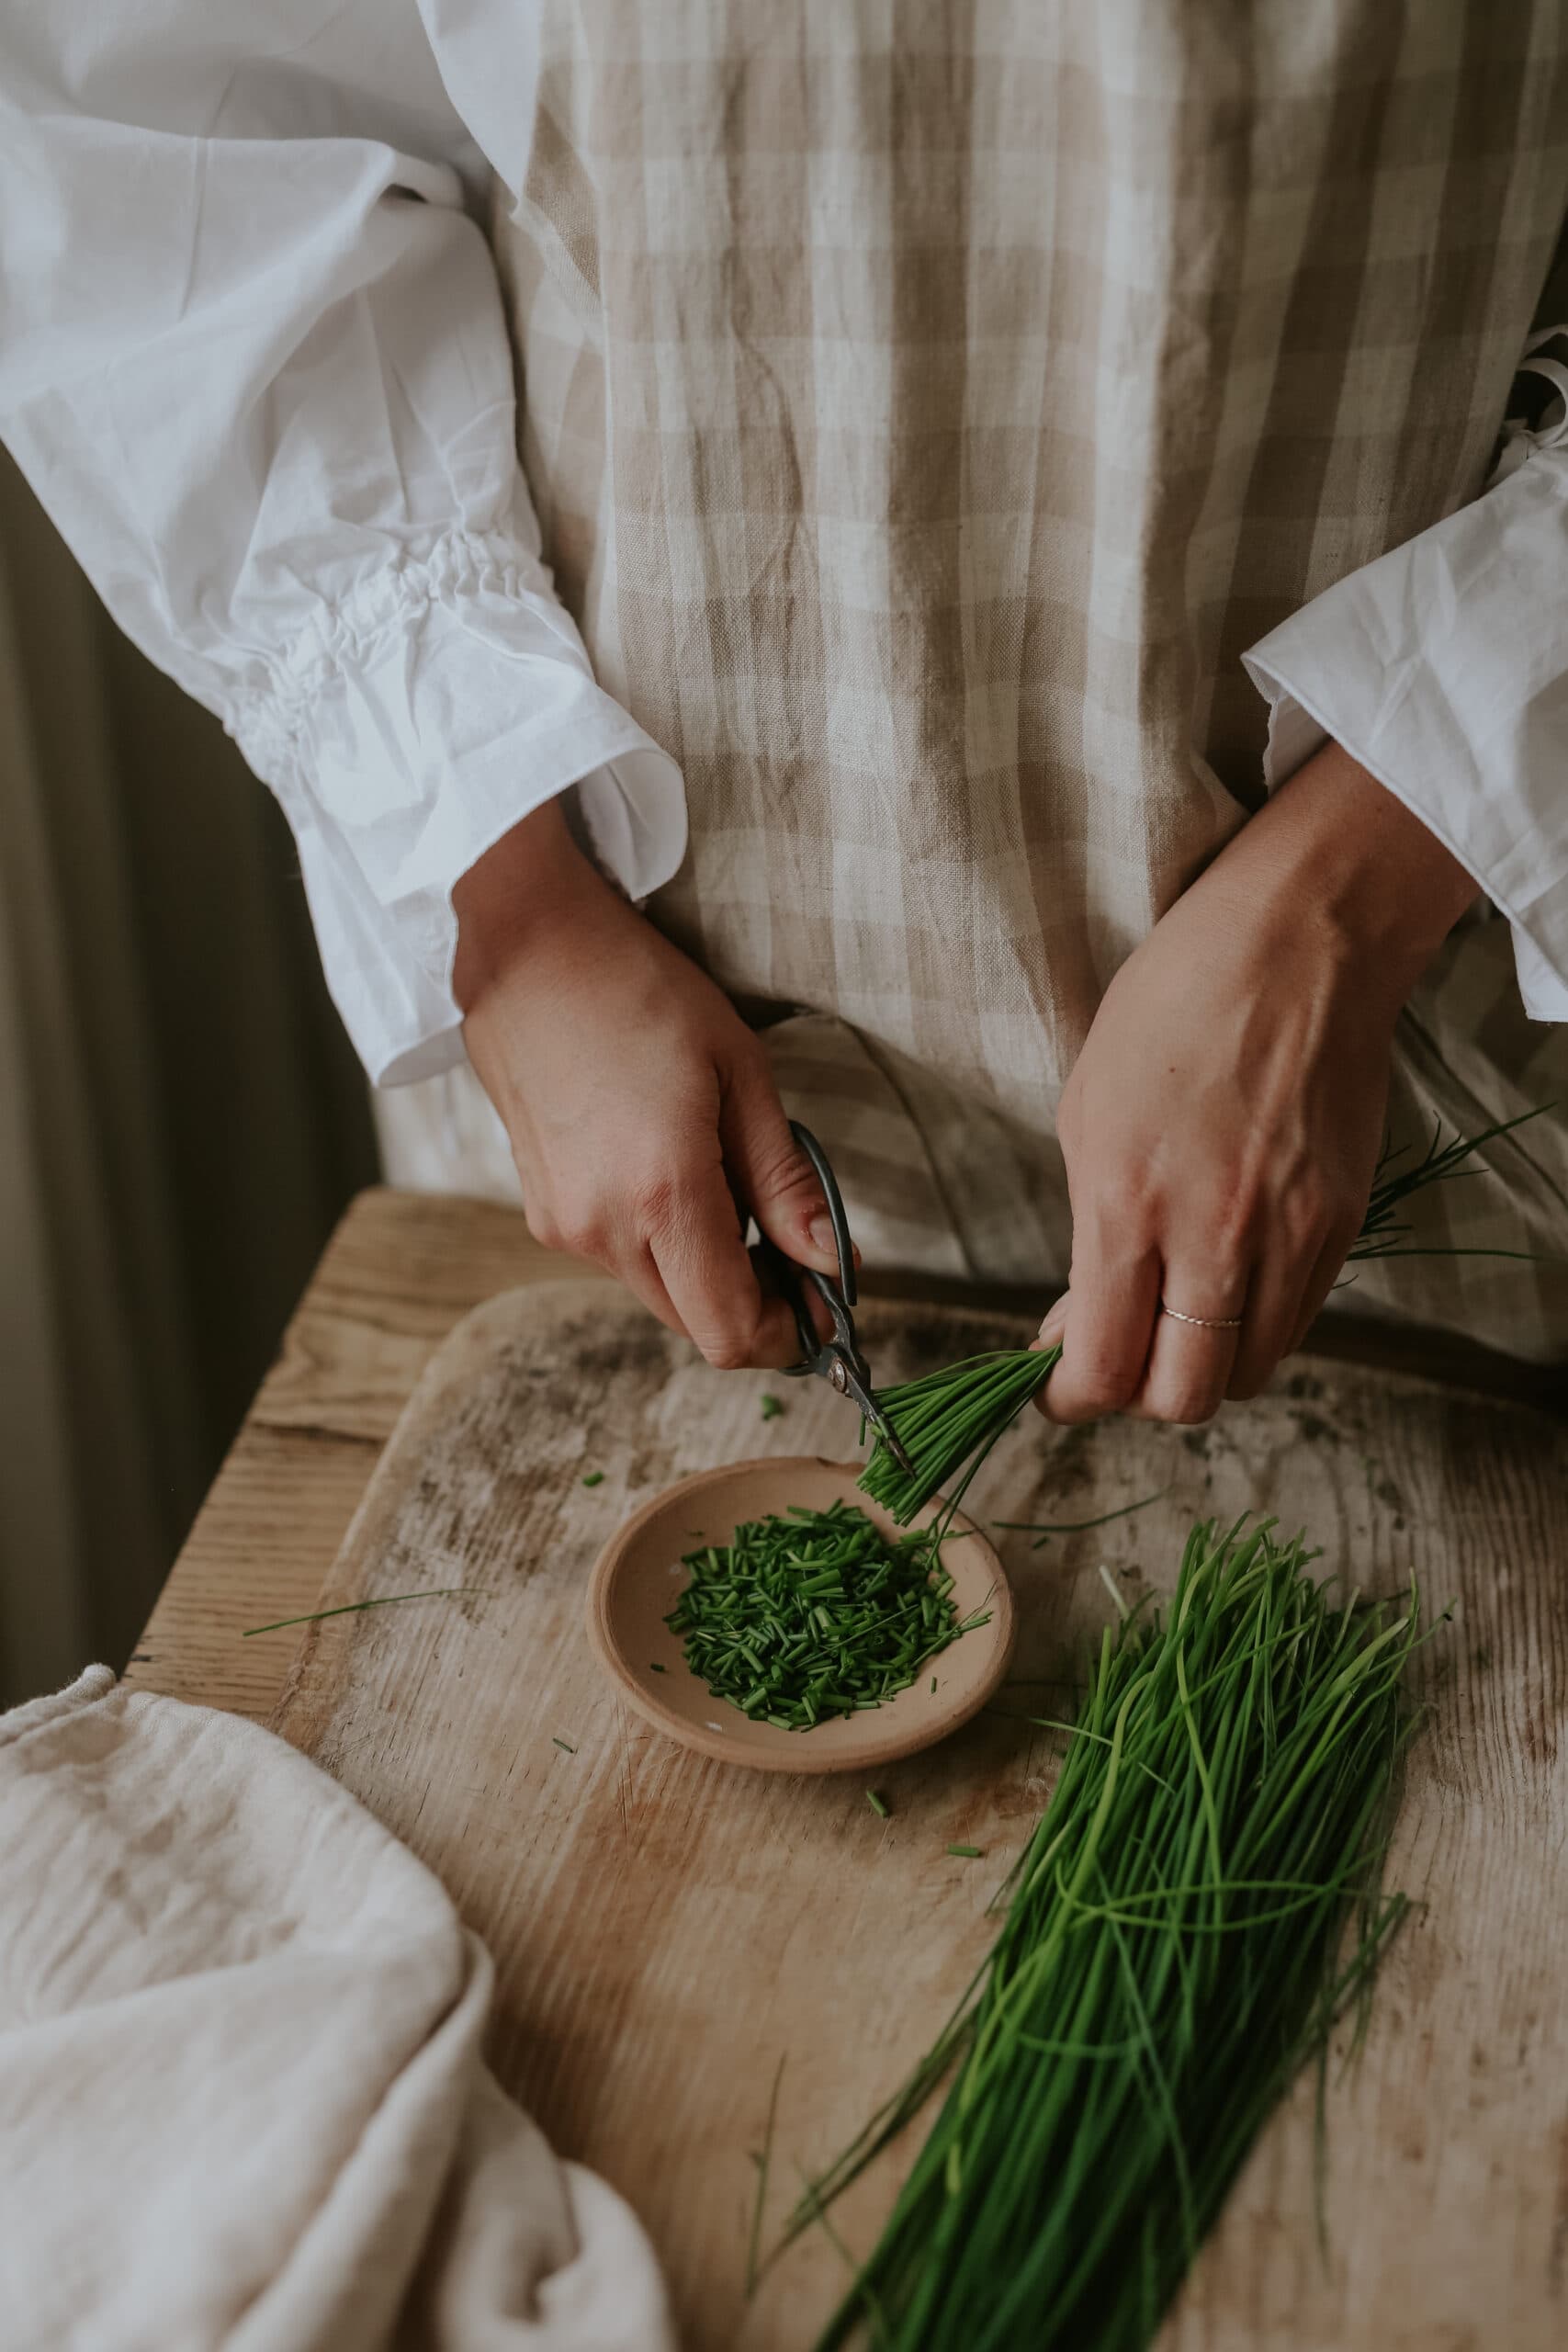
181	1117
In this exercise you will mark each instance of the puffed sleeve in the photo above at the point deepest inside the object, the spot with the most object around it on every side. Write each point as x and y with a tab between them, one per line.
253	361
1443	669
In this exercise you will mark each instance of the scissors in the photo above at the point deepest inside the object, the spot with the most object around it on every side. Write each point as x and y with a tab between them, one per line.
838	1358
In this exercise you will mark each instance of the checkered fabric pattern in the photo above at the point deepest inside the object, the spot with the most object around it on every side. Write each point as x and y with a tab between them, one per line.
925	405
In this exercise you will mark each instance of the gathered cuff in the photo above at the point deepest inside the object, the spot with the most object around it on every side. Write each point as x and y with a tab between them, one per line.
409	727
1442	668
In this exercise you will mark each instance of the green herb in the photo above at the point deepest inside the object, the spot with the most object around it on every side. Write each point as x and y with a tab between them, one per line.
1169	1959
948	1420
348	1607
806	1615
1382	1234
763	2162
656	1668
969	1853
565	1744
594	1478
933	1682
878	1804
772	1408
1075	1526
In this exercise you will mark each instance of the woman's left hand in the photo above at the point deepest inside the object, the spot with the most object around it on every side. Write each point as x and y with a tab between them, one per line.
1223	1123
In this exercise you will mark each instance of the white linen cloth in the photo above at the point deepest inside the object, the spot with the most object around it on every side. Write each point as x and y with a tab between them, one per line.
253	358
242	2103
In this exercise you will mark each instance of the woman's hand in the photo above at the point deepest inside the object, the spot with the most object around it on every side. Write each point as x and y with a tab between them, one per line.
1222	1126
640	1106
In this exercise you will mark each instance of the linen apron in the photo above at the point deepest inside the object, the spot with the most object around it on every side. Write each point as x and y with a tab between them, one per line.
925	406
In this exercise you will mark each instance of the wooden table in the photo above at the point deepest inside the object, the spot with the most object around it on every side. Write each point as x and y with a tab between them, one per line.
403	1270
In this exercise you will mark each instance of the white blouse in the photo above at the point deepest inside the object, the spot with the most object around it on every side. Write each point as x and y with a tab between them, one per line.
254	360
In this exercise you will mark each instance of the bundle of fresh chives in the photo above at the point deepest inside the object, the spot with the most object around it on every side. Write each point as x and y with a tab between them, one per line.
809	1614
948	1420
1171	1958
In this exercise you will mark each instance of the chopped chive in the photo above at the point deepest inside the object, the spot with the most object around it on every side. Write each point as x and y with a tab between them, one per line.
565	1744
771	1408
969	1853
933	1682
654	1668
594	1478
878	1804
807	1614
348	1607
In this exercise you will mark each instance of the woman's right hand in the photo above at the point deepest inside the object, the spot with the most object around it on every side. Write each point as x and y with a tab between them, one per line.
640	1107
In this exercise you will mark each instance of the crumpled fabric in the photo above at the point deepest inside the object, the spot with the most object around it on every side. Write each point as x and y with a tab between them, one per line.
243	2102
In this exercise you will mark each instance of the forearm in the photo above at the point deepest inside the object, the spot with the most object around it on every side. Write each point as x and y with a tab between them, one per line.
533	890
1336	857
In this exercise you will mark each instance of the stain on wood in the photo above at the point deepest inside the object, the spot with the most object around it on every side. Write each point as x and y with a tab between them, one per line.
666	1928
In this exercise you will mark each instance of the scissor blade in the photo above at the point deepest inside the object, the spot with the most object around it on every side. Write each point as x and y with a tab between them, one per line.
860	1393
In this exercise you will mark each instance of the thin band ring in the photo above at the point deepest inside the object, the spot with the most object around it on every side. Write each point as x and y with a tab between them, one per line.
1202	1322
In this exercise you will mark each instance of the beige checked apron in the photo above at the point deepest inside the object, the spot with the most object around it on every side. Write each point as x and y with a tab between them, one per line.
925	406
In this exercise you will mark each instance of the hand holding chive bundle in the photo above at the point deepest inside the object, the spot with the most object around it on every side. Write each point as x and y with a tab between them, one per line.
811	1614
948	1420
1169	1959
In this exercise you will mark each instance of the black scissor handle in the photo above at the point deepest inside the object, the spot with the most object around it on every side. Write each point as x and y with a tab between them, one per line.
835	1200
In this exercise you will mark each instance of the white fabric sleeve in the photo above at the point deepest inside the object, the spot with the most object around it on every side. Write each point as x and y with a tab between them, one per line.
253	361
1443	669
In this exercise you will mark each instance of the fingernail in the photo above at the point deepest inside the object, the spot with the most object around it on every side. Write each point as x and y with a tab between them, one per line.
821	1232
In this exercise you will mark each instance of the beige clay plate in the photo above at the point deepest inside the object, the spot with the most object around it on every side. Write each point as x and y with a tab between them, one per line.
637	1580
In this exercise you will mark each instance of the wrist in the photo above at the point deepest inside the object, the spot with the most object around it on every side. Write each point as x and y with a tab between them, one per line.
526	889
1336	848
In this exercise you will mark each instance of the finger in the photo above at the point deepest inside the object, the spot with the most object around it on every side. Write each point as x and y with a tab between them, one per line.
816	1306
772	1174
1289	1282
1190	1363
1105	1337
1321	1281
1049	1336
698	1253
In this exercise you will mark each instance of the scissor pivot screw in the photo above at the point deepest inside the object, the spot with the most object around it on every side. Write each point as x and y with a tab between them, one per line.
841	1379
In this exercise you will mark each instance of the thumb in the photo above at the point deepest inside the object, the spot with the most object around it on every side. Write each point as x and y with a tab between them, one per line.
772	1173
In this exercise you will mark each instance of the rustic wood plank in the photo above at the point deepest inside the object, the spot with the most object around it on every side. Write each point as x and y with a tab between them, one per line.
401	1269
666	1928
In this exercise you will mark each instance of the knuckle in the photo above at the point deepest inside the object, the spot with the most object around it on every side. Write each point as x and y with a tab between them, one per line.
725	1346
545	1227
1305	1214
1226	1229
1125	1202
1102	1383
583	1233
1184	1402
656	1202
1190	1410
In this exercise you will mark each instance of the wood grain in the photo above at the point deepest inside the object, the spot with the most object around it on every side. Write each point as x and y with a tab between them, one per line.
401	1269
667	1928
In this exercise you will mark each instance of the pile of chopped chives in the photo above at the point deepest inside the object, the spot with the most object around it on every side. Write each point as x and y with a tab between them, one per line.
1171	1958
811	1614
948	1420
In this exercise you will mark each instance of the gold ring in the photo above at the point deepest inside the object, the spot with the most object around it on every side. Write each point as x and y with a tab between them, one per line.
1203	1322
